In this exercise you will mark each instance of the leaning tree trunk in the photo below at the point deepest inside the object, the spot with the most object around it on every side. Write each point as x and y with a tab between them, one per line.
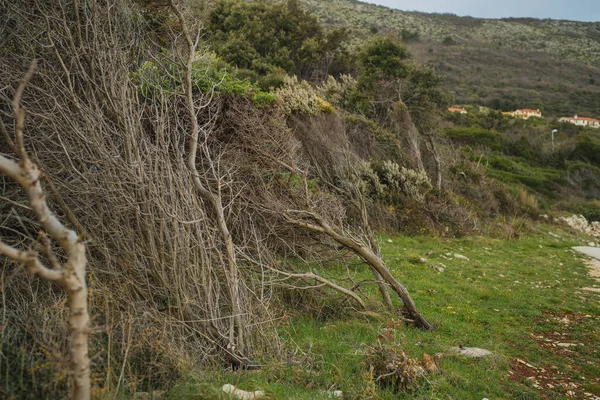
364	215
403	121
369	257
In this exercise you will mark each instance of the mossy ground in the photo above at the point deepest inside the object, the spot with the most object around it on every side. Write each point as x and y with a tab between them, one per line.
511	297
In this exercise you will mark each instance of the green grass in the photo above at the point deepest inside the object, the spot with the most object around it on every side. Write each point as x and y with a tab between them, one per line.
505	298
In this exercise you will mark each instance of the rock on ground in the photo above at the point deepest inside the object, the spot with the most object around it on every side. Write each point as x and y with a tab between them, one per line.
242	394
579	223
473	352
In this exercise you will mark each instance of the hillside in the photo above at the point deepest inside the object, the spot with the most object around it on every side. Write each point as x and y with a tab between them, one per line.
197	199
507	63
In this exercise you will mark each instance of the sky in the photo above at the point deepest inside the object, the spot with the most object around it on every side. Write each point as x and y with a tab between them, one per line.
578	10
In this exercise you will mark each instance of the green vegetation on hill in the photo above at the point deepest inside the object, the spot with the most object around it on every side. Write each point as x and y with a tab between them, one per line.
506	64
266	39
521	152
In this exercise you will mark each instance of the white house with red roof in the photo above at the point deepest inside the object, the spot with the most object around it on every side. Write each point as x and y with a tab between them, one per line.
582	121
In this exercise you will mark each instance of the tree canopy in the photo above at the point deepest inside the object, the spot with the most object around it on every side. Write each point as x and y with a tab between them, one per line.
264	37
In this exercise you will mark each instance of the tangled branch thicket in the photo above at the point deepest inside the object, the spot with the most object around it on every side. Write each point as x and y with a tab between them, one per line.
183	197
117	171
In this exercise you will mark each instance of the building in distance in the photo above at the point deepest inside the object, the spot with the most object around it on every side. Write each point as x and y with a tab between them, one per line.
582	121
524	113
457	110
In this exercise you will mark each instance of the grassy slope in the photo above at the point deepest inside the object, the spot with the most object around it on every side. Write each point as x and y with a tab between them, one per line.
532	63
571	40
509	298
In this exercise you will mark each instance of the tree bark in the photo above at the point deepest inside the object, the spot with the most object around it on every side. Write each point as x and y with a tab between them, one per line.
368	256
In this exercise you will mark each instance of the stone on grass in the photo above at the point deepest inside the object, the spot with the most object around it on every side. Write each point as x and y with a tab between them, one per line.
461	257
242	394
437	268
473	352
566	344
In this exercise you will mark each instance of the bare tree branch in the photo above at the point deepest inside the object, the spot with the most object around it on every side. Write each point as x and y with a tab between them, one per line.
71	276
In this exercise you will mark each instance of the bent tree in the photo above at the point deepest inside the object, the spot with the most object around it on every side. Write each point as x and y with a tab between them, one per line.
314	222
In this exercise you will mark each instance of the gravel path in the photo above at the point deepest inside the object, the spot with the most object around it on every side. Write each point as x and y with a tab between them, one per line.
589	251
593	265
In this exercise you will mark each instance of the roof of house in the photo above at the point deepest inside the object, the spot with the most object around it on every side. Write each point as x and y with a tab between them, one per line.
456	109
576	118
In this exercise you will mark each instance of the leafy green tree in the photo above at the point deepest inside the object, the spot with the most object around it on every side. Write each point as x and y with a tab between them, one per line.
384	58
264	37
388	75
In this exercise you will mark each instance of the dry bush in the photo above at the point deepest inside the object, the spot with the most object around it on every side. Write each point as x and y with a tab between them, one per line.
508	227
116	169
528	201
115	162
391	367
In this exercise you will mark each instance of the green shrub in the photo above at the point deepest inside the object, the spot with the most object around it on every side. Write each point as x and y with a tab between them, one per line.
210	73
474	137
263	99
587	148
273	80
591	210
298	96
152	80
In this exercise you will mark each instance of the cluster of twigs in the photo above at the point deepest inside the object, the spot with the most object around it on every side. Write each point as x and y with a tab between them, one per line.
193	206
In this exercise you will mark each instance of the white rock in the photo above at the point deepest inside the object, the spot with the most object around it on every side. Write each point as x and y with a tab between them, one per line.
566	344
335	394
437	268
473	352
579	223
461	257
242	394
